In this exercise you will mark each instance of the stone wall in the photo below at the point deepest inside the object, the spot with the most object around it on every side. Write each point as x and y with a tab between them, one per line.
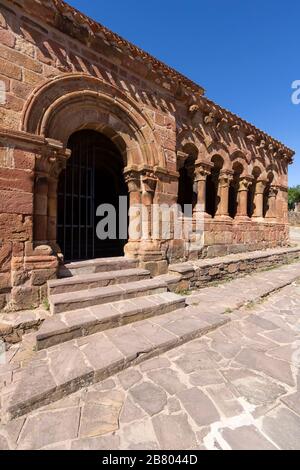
201	273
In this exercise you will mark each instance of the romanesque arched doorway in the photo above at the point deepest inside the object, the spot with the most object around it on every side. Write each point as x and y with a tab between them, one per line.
93	176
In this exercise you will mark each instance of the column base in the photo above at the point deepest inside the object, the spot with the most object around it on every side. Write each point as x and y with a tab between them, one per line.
242	218
225	218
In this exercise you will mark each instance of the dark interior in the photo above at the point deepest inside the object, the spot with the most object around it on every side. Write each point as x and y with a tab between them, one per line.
93	176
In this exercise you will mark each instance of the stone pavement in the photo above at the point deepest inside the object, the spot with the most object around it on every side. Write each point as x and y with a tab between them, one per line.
235	388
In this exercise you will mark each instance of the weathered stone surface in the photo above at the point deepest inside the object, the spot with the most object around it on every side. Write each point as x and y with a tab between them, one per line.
292	401
129	377
101	415
287	434
205	412
3	443
149	397
110	442
130	412
49	427
168	380
255	388
174	432
257	360
246	438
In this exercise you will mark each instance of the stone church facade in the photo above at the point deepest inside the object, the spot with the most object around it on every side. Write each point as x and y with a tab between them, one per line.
86	116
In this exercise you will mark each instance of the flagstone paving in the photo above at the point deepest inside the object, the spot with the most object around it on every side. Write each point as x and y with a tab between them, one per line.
235	388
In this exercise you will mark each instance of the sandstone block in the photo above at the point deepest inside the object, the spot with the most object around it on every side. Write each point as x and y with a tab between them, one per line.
25	297
41	276
10	70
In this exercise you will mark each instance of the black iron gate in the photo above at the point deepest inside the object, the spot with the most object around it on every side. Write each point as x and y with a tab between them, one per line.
76	200
94	175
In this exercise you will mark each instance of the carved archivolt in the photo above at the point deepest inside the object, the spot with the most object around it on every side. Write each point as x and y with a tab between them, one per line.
73	102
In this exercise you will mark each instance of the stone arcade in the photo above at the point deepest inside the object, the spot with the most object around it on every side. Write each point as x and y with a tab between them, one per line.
85	117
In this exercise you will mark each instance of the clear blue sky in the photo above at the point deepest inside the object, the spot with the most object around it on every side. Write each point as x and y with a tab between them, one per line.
245	53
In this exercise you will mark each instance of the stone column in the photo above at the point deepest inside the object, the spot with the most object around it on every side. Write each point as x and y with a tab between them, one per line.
202	170
223	193
259	199
148	189
41	210
271	214
133	181
52	210
242	198
48	168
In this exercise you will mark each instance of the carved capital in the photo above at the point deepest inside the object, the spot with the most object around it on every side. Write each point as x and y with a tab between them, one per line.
202	170
225	178
50	164
273	191
133	181
244	183
149	182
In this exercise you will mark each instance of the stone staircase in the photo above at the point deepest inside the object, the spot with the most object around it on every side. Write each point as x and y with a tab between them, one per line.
107	314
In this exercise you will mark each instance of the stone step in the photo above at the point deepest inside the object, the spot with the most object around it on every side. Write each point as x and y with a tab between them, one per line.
90	281
98	265
63	369
60	303
71	325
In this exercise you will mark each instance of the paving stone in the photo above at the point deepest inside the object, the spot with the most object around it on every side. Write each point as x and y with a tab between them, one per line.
174	432
256	389
149	397
155	363
226	349
110	442
195	362
154	334
246	438
101	353
36	382
206	377
130	412
3	443
69	364
128	342
168	380
205	412
174	405
139	436
13	429
262	322
275	368
99	419
292	401
283	428
283	337
224	399
48	427
128	378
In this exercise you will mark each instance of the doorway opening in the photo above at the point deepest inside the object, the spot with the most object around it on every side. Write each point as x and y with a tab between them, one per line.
93	176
